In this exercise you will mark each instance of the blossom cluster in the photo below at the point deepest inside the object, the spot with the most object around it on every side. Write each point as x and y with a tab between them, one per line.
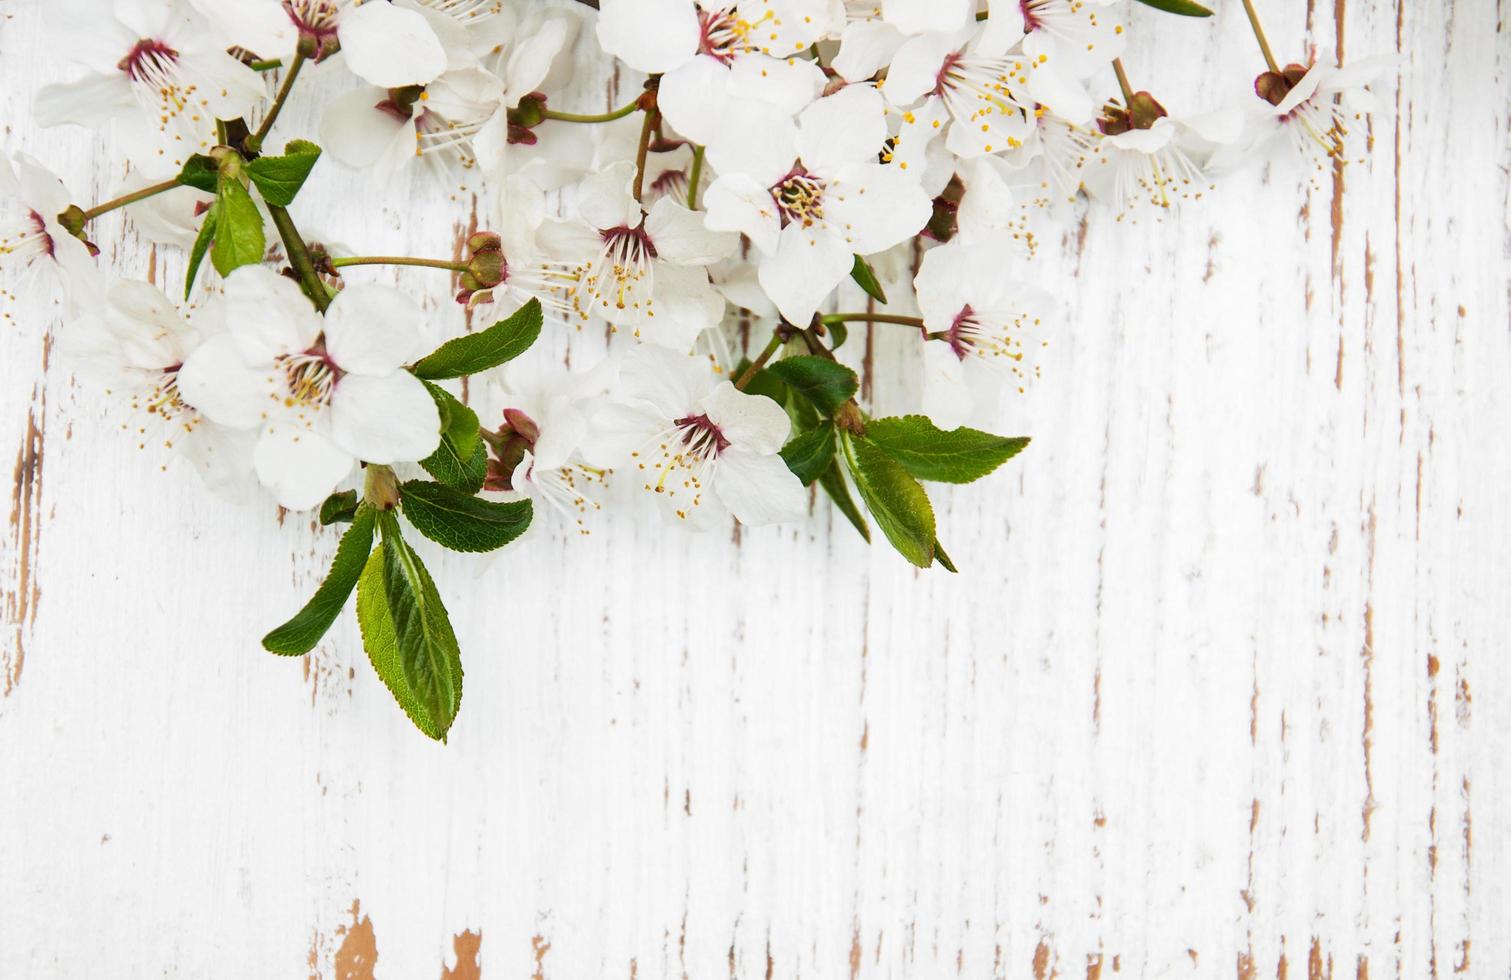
777	150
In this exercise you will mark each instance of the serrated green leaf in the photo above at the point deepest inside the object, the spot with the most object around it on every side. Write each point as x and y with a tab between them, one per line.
381	641
338	508
239	236
865	278
201	246
502	342
808	455
462	522
299	635
897	501
201	173
461	460
833	482
279	179
408	634
825	383
1183	7
929	453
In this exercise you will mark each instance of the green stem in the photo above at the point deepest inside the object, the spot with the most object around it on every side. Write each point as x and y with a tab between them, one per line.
299	257
771	348
131	198
1117	66
254	142
906	321
351	260
1264	43
591	117
694	178
266	65
646	129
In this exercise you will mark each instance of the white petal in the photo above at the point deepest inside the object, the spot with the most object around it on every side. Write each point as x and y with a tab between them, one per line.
876	206
653	36
670	383
685	305
917	16
751	422
372	329
531	57
268	315
94	100
681	238
755	139
759	490
788	83
1061	91
298	466
847	127
738	202
808	264
618	430
916	67
218	381
865	47
391	419
693	98
389	46
604	199
356	132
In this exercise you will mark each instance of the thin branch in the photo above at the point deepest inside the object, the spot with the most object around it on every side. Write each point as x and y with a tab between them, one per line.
299	257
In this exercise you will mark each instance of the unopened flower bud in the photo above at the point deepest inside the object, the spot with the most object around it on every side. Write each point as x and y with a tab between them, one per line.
1274	86
487	268
507	447
523	118
1142	112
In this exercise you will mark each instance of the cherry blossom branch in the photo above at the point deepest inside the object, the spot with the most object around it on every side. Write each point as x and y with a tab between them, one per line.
254	142
600	117
1264	43
299	256
131	198
906	321
646	129
351	260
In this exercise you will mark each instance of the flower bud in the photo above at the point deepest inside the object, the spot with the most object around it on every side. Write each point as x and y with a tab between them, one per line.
1274	86
1142	112
507	447
487	268
523	118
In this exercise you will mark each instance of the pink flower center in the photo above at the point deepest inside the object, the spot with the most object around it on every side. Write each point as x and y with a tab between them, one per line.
147	59
799	197
701	437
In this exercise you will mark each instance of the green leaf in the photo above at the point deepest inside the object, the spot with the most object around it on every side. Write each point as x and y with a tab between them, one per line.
299	635
239	236
279	179
929	453
461	460
944	559
408	635
460	521
808	455
897	501
201	173
825	383
865	278
833	482
1183	7
504	341
839	332
339	508
201	246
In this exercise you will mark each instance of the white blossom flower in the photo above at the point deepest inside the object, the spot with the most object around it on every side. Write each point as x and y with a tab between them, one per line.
1310	110
387	44
325	393
1148	158
133	344
871	31
695	444
637	270
40	258
1076	37
813	196
157	74
542	422
979	327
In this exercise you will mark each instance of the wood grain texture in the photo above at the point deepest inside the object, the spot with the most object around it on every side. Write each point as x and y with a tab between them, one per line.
1223	688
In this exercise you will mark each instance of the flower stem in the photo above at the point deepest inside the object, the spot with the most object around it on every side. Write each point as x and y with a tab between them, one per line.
694	178
254	142
131	198
592	117
266	65
1117	66
646	129
299	257
1264	43
777	339
906	321
351	260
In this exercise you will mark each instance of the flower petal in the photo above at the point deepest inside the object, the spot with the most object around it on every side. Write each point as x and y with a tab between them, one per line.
389	46
372	329
738	202
653	36
681	238
752	422
355	131
847	127
390	419
267	314
217	380
807	265
759	490
299	467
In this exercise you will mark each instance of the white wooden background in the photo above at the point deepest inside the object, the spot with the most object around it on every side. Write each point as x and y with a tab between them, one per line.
1223	688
